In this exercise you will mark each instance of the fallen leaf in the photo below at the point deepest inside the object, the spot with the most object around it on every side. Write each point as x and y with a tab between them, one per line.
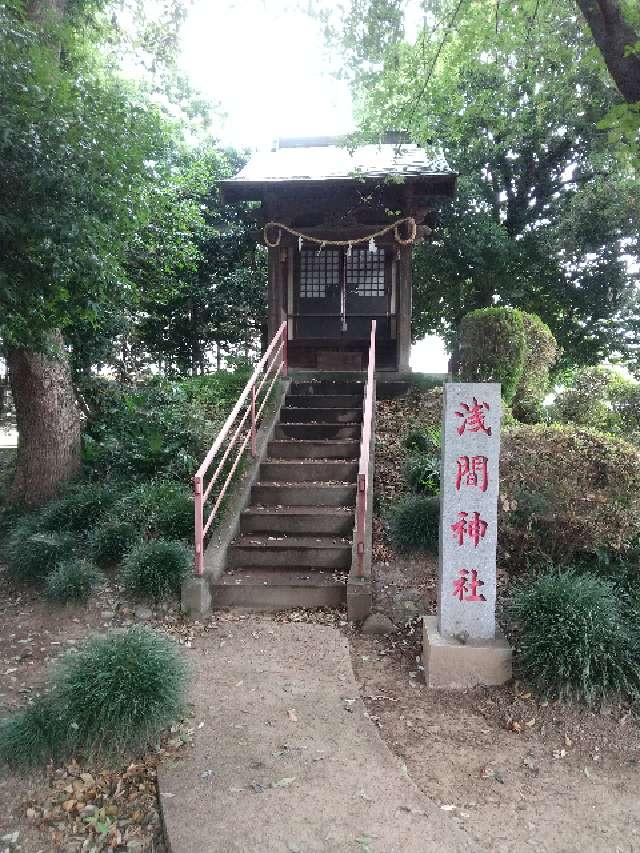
292	715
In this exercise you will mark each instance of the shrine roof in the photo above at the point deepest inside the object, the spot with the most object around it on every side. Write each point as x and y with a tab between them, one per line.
296	161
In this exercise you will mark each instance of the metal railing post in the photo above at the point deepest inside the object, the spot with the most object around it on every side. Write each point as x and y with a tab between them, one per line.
285	350
253	421
199	526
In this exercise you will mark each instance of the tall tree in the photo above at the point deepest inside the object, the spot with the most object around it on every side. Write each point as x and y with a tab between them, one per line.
618	40
514	103
78	147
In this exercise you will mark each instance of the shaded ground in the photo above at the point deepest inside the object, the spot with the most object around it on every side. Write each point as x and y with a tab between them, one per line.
285	757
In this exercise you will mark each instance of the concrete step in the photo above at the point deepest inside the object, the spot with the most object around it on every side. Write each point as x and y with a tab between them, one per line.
301	471
324	401
320	416
303	551
322	449
326	386
317	431
279	590
272	494
298	521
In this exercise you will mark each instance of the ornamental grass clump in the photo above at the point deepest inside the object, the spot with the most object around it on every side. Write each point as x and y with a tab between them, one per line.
414	523
573	638
73	580
162	509
155	569
111	540
116	692
31	555
422	474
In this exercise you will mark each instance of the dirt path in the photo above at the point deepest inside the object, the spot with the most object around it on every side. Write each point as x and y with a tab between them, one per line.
285	757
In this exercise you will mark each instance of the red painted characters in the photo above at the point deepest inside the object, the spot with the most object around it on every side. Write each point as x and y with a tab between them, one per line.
465	586
474	528
473	417
472	471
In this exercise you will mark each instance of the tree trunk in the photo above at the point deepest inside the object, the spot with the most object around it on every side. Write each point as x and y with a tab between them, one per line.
48	423
615	38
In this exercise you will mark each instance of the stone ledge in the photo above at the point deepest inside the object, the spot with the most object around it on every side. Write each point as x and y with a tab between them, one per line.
450	664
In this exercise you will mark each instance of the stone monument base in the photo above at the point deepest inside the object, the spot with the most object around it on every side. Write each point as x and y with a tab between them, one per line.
449	663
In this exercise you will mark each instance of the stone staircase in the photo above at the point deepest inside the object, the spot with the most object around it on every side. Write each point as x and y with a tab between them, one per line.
294	547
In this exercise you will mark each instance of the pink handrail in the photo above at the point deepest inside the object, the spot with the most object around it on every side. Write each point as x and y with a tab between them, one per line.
274	357
362	495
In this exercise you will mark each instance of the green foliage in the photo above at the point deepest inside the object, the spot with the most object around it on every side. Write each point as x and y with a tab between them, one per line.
625	405
586	400
492	348
514	108
414	523
565	491
116	692
78	508
110	540
422	441
32	555
32	736
573	638
159	509
155	431
540	354
72	580
156	568
422	474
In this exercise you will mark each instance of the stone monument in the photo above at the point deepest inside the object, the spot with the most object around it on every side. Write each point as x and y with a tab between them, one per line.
462	646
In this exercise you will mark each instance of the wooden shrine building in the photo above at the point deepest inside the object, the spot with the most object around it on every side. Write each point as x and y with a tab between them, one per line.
340	225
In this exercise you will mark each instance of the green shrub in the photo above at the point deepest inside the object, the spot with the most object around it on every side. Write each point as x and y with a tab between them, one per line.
116	692
31	556
540	354
156	568
491	348
73	580
161	430
163	509
418	441
78	509
572	638
33	735
422	474
565	491
585	400
414	523
625	403
111	540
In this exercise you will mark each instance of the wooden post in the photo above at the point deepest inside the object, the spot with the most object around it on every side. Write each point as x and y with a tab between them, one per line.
404	309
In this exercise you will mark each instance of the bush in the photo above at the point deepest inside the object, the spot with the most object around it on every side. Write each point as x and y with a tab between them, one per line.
540	354
163	509
418	441
31	556
414	524
586	399
78	509
422	474
491	348
566	491
572	638
73	580
111	540
156	568
162	430
625	403
116	692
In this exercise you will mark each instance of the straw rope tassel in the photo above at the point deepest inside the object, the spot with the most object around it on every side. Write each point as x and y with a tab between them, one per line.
370	238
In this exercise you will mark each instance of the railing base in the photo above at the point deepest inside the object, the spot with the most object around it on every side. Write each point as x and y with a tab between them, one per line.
359	598
195	596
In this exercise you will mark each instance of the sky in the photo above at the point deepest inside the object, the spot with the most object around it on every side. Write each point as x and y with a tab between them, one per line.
269	70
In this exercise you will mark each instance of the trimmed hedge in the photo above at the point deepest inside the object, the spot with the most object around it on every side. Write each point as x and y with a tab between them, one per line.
491	348
541	353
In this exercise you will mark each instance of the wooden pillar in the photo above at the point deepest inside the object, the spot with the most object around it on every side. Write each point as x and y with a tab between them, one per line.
274	292
404	309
